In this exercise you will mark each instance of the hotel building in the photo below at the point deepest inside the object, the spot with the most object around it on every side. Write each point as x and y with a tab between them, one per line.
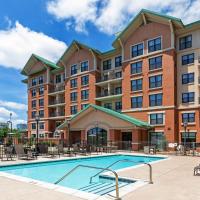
147	88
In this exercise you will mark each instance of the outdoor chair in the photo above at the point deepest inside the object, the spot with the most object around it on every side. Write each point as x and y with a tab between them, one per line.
43	149
69	151
197	170
22	155
8	153
53	152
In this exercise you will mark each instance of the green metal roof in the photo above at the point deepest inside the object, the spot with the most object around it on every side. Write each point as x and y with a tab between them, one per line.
47	62
148	12
124	117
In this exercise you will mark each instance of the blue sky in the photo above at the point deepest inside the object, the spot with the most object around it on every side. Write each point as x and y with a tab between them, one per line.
47	27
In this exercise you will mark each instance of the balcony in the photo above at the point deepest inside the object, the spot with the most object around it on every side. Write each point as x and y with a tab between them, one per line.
54	103
57	90
110	78
60	114
104	96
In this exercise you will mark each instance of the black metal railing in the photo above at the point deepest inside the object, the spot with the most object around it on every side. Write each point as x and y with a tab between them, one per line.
57	89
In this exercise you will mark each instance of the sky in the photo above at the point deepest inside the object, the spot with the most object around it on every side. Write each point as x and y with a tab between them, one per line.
47	27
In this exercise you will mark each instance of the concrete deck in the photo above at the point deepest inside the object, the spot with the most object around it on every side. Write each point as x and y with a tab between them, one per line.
173	180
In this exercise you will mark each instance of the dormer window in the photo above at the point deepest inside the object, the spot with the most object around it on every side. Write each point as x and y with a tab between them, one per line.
41	80
84	66
154	45
73	69
137	50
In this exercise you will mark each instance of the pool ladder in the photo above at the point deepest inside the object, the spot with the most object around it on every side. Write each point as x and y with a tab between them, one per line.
126	160
110	170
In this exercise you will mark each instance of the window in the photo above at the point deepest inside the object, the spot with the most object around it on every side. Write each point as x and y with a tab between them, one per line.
187	97
33	126
107	64
41	113
136	102
41	125
155	63
41	80
34	104
85	80
73	110
33	114
185	42
33	92
34	81
108	105
73	96
188	78
118	61
155	100
156	118
118	74
58	78
154	45
136	85
136	67
84	94
41	102
73	83
84	106
84	66
155	81
188	117
137	50
118	106
188	59
158	140
118	90
73	69
41	91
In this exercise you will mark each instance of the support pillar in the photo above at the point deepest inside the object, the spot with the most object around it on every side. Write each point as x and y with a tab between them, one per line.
135	139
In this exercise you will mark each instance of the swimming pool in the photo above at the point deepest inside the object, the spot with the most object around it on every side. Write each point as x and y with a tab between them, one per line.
53	170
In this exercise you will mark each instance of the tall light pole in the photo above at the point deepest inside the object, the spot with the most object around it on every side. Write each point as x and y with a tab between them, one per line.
185	129
68	127
37	119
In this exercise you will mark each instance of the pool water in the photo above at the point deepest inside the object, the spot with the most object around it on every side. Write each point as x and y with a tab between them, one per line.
52	171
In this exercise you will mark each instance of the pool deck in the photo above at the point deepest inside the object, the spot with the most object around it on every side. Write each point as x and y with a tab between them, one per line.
173	180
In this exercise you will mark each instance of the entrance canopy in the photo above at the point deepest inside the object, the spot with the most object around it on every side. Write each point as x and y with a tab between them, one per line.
97	116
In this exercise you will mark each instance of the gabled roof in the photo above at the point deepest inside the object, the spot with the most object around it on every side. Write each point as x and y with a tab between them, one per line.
76	44
147	13
33	60
132	120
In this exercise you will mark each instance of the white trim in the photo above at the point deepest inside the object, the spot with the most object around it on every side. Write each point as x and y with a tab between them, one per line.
190	131
190	111
149	108
156	112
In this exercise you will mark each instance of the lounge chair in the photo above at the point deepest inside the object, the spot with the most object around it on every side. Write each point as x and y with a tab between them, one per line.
53	152
43	149
8	153
22	155
197	170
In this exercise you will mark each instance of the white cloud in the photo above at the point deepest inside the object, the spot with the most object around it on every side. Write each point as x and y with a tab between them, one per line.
80	11
13	105
18	43
5	113
113	15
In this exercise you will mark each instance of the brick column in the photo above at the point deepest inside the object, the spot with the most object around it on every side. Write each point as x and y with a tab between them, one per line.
83	135
135	139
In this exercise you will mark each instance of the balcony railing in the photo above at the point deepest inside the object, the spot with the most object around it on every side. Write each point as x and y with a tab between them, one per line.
106	94
59	101
57	114
111	76
57	89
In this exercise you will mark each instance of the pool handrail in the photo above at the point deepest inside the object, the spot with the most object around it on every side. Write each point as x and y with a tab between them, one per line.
126	160
88	166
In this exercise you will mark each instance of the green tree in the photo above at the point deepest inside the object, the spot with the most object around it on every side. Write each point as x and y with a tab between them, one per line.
3	132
